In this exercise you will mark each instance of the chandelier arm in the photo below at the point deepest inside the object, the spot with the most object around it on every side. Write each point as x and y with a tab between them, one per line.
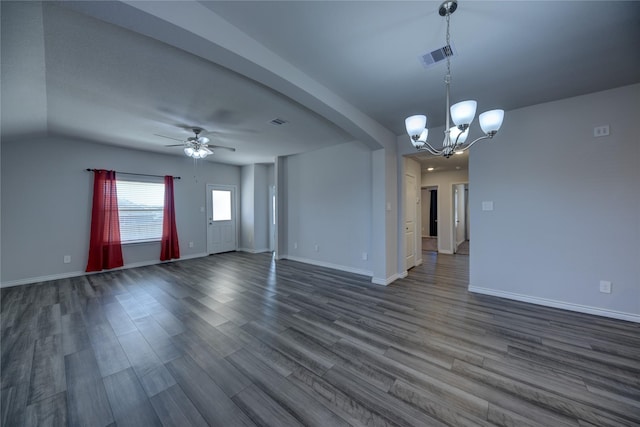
476	140
427	147
455	144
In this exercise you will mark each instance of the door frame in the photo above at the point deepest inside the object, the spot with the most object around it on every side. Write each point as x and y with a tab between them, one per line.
273	218
454	240
235	204
438	208
416	244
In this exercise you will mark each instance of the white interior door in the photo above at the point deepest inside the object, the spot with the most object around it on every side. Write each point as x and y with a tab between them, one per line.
456	221
272	218
221	218
410	221
459	216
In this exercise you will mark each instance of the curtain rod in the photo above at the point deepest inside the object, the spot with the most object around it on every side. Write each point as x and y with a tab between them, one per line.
138	174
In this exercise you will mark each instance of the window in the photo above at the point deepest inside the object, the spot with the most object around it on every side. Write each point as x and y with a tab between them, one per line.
140	207
221	200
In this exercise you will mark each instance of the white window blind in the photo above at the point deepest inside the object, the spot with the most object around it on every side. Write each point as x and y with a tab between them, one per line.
140	207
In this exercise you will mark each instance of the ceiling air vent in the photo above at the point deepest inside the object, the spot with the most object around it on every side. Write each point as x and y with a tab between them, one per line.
430	59
278	122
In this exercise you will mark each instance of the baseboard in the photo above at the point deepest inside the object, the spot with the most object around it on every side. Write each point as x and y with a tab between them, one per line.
254	251
557	304
445	251
67	275
329	265
389	280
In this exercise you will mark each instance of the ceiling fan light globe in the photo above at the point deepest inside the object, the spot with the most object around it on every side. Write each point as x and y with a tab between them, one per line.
188	151
463	112
491	121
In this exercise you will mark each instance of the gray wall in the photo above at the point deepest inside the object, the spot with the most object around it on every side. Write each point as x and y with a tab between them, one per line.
328	204
46	203
573	199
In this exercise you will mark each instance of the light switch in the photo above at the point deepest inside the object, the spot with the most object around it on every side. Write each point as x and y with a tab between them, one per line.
487	206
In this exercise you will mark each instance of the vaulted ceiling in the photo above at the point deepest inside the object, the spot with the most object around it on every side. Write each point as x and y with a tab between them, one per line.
124	73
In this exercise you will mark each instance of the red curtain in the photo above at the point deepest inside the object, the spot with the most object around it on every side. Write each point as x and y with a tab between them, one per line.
105	249
169	244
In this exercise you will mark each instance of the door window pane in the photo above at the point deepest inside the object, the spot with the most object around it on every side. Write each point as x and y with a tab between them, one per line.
221	200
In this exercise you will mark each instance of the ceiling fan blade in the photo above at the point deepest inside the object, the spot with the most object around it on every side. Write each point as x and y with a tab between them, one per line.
206	150
175	145
168	137
222	147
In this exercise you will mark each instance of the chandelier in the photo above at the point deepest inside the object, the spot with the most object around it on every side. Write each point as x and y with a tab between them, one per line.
462	113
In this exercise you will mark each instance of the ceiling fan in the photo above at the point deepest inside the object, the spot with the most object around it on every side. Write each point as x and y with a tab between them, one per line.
196	146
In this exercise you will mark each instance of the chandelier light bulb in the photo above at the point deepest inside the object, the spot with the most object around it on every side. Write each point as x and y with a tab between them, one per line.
490	121
424	135
455	131
463	112
415	125
421	140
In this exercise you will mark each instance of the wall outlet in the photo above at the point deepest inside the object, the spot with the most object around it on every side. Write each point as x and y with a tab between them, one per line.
605	286
67	259
317	248
365	256
190	244
295	245
599	131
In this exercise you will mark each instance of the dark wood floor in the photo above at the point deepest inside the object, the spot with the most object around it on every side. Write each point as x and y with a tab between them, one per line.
237	339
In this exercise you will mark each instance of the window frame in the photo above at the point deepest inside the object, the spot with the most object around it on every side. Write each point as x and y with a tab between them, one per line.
160	209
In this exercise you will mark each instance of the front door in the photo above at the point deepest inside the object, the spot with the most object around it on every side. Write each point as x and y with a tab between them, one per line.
221	218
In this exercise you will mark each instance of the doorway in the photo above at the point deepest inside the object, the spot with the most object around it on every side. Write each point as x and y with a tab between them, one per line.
221	218
460	220
272	218
410	221
429	211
